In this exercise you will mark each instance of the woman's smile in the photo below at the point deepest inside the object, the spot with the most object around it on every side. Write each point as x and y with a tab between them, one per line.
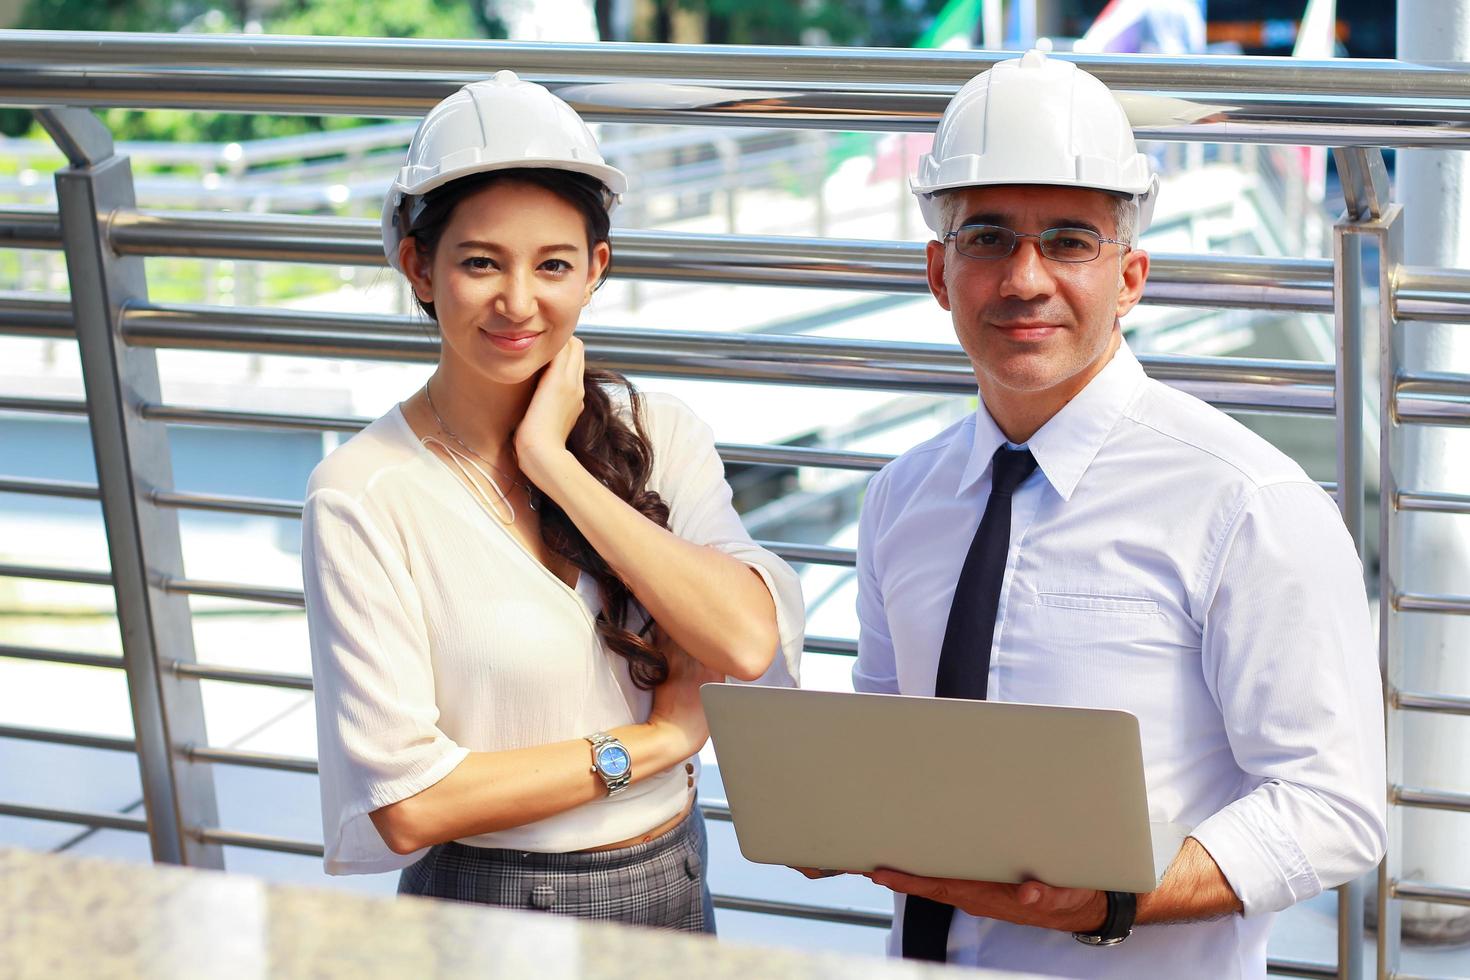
512	341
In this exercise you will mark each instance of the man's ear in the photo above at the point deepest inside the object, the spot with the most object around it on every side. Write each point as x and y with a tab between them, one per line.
416	269
1132	277
934	269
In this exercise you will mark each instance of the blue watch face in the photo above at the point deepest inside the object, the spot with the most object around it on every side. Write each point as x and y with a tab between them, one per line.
613	760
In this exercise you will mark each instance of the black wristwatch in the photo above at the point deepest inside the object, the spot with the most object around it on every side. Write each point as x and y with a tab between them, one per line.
1117	924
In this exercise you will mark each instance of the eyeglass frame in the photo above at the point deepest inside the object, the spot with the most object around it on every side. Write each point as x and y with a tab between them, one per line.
1040	243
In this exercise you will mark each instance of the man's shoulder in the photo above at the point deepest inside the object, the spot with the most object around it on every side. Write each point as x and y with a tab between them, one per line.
902	475
1215	444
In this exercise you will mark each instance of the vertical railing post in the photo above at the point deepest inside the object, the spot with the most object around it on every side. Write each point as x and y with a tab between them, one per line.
1391	573
1365	192
1370	214
133	461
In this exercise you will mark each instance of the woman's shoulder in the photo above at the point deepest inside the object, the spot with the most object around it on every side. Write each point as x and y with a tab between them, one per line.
668	421
353	467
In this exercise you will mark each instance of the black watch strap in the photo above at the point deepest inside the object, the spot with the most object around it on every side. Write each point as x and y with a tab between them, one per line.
1117	924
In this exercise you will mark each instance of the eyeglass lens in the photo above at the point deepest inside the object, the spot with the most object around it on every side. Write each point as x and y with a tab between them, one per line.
1058	244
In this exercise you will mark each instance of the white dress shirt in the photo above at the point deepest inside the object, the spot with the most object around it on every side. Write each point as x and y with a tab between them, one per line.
435	633
1166	561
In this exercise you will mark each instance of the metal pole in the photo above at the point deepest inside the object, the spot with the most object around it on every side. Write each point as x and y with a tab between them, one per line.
132	457
1348	297
1366	196
1390	578
1433	188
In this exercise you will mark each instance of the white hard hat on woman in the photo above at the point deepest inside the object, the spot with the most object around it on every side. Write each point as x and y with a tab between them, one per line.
1034	120
496	124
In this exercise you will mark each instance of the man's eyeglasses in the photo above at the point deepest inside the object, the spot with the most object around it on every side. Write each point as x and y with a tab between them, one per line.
1057	244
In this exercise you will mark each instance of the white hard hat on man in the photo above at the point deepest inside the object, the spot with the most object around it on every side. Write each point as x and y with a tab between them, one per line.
1034	120
496	124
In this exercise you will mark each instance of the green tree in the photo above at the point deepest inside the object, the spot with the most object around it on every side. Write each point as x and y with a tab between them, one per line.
877	23
341	18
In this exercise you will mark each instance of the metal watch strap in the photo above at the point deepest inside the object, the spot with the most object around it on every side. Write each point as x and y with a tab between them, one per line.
614	784
1117	924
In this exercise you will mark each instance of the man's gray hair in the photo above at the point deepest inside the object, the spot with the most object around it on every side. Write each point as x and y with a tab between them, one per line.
1125	214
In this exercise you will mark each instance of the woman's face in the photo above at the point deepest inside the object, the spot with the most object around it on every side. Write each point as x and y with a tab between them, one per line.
508	280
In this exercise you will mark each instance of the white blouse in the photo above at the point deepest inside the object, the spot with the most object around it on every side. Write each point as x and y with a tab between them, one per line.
434	633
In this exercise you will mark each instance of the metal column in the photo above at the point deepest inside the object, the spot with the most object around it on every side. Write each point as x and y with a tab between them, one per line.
1370	214
133	462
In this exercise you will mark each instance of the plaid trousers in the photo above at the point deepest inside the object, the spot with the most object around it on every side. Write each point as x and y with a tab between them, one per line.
660	883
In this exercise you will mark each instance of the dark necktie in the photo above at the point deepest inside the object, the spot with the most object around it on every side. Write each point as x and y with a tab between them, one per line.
964	659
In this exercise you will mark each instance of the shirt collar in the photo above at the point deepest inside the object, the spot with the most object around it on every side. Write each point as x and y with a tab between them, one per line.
1066	445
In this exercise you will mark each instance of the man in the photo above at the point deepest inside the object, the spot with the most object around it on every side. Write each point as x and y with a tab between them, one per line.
1138	550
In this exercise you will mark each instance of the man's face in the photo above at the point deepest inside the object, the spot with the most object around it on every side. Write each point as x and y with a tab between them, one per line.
1034	328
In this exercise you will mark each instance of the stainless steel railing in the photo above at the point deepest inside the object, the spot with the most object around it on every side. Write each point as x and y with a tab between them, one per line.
1344	105
1365	103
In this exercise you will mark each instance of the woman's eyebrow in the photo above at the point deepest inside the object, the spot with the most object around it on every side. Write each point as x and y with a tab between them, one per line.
496	247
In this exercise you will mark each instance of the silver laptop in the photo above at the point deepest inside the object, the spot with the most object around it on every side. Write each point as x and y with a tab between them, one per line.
981	790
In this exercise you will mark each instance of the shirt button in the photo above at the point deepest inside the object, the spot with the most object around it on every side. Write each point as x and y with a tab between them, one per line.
693	866
543	896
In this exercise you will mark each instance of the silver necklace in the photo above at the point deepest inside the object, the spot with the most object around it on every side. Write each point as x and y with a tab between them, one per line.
533	496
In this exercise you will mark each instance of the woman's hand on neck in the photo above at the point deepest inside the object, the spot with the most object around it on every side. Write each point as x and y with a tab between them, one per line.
548	419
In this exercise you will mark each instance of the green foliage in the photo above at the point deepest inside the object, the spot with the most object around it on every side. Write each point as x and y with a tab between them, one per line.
875	23
342	18
357	18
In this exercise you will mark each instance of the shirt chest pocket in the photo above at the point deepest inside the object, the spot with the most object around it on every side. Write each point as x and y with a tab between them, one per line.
1098	604
1103	627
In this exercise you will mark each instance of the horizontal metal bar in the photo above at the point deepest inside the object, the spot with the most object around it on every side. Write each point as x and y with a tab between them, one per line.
1432	398
1455	605
303	682
1237	282
1419	891
89	818
716	810
762	64
838	459
1300	968
234	590
1236	383
831	644
796	910
55	574
75	658
1432	502
790	551
51	488
1443	384
44	406
224	503
1343	103
812	554
1436	295
242	675
24	315
1432	799
80	739
796	456
258	842
24	226
847	916
180	415
254	760
1440	704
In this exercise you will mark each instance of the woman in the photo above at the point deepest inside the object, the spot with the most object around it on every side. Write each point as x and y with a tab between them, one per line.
504	573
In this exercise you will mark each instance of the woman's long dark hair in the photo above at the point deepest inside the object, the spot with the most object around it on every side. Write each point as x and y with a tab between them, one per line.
613	451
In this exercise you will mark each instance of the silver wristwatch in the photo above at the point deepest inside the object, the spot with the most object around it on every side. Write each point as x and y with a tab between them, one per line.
611	761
